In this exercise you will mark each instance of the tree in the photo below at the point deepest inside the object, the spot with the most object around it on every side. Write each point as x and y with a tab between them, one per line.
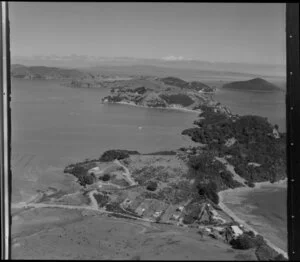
106	177
152	186
246	241
209	190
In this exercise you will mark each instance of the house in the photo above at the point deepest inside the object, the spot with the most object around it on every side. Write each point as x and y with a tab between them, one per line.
140	211
254	164
236	231
175	216
157	214
180	208
207	230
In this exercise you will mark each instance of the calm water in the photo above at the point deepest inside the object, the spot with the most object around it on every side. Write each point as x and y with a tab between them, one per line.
272	207
265	209
53	126
266	104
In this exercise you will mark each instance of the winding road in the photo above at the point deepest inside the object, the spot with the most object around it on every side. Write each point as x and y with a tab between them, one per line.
127	173
92	207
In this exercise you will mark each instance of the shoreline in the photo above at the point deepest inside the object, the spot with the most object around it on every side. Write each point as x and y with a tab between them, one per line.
149	107
258	185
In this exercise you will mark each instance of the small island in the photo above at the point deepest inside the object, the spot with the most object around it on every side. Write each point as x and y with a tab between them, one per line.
256	84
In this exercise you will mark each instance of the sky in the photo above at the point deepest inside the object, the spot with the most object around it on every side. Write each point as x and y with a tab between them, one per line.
214	32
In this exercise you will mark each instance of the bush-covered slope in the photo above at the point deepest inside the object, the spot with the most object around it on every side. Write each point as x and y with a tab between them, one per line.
256	84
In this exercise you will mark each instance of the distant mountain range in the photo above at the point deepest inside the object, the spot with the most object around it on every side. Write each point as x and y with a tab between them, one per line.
256	84
83	61
96	76
50	72
43	72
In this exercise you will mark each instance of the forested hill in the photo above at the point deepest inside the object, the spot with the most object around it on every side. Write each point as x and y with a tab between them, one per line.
255	84
44	72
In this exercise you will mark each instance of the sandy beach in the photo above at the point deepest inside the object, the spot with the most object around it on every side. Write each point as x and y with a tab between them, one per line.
237	195
165	108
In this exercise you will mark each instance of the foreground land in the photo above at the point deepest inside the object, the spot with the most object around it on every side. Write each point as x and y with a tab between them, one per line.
155	195
57	233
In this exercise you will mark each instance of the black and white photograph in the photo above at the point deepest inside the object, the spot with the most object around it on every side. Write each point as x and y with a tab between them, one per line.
148	131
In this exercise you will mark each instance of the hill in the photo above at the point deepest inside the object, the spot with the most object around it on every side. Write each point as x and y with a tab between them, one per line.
256	84
169	92
194	85
254	146
43	72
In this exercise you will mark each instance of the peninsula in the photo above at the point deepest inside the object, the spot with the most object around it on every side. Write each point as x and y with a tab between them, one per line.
181	187
168	92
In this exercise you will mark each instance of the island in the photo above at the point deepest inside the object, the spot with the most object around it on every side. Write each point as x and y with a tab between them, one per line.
255	84
169	92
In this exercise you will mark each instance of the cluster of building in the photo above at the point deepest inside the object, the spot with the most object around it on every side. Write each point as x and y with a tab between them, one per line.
205	216
188	213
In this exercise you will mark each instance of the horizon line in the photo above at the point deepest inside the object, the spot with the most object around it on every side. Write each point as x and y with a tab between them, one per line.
167	59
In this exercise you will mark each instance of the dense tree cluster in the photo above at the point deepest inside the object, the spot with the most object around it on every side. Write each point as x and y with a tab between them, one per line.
174	81
254	142
247	241
205	169
194	85
140	90
113	99
119	154
266	253
105	177
252	84
79	171
162	153
227	179
262	250
209	190
151	186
